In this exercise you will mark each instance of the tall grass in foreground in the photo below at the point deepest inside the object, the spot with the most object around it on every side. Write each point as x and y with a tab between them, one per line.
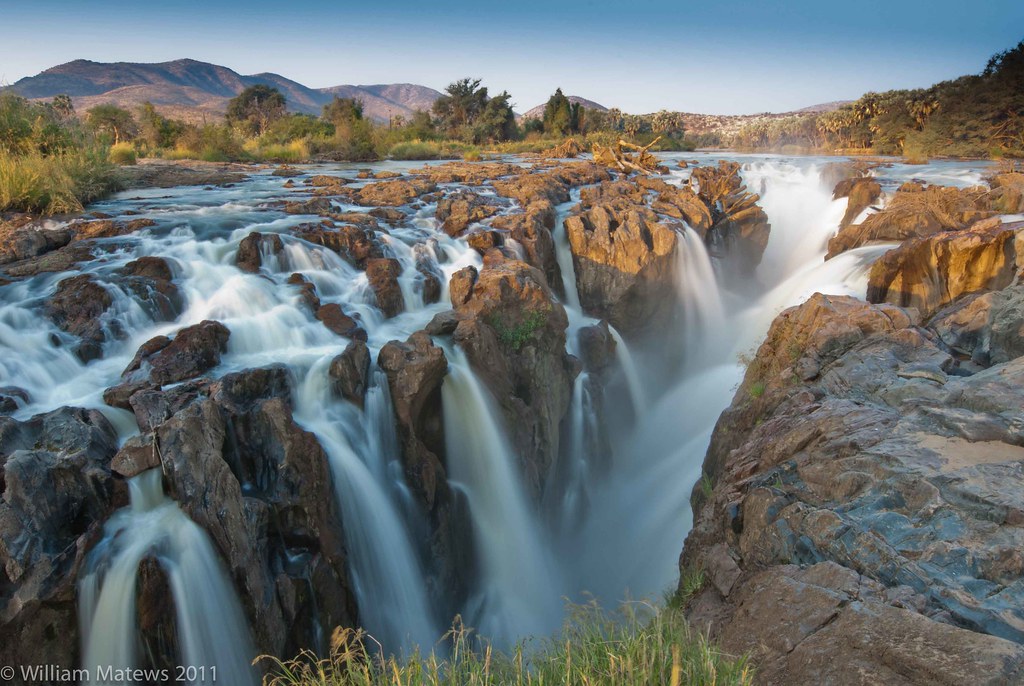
638	645
54	184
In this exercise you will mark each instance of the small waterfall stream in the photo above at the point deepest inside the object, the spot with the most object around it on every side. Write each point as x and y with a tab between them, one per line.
212	630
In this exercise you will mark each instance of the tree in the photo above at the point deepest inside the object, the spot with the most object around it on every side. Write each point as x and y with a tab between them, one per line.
256	108
343	111
459	108
156	130
497	122
558	114
112	121
63	107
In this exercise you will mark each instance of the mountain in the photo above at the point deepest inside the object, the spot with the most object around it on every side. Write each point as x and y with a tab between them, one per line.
538	111
823	107
195	91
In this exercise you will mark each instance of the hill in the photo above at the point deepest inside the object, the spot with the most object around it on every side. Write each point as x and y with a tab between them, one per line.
193	90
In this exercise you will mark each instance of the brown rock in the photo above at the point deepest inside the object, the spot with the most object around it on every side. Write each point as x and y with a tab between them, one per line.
193	350
383	273
393	193
76	307
355	244
350	371
335	319
457	211
251	249
929	273
137	455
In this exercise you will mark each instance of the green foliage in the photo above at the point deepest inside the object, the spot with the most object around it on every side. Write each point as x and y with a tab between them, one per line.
515	335
155	130
467	113
415	150
561	117
255	109
757	389
707	488
639	644
211	143
343	110
113	123
691	582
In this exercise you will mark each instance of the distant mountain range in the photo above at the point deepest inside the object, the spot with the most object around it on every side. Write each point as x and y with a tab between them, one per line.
199	91
194	91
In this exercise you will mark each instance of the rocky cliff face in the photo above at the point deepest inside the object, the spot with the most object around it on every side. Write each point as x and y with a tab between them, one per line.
860	516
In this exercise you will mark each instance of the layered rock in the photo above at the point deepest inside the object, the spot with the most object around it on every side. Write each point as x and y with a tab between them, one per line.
915	211
457	211
252	248
929	273
355	244
625	262
861	506
738	222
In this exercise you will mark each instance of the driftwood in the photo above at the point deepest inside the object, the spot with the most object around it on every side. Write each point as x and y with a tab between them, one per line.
570	148
617	157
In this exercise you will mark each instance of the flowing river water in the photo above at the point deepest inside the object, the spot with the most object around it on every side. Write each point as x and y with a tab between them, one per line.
610	530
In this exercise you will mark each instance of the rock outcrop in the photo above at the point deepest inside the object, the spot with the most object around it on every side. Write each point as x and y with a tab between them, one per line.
56	490
860	515
914	211
237	463
739	224
513	332
625	260
929	273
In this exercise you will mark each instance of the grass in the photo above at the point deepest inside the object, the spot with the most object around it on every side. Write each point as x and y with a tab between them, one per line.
640	644
756	389
415	150
55	184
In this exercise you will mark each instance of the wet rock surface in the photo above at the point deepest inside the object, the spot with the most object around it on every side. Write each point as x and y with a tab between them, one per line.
56	490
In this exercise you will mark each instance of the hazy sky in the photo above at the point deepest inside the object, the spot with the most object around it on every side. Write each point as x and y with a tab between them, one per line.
640	55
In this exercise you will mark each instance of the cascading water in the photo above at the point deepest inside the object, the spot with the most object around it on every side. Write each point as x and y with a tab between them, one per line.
615	528
518	591
212	631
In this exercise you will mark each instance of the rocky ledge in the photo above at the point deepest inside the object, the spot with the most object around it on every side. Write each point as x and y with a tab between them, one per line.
861	515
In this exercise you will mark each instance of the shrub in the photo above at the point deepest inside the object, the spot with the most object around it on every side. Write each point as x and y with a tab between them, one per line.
415	150
57	183
640	644
122	153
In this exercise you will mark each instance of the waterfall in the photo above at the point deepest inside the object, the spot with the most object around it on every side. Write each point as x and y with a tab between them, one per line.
697	287
517	590
212	630
386	573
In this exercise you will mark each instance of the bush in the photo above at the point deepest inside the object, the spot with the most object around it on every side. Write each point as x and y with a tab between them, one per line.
122	153
638	645
415	150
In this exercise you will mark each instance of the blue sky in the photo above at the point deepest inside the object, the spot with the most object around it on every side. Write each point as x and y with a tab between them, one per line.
640	55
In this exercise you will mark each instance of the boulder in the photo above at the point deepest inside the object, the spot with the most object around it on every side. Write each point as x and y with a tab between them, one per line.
532	229
335	319
350	371
738	222
382	274
861	193
461	285
77	307
239	466
457	211
929	273
354	244
986	327
625	262
150	281
393	193
252	248
193	351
